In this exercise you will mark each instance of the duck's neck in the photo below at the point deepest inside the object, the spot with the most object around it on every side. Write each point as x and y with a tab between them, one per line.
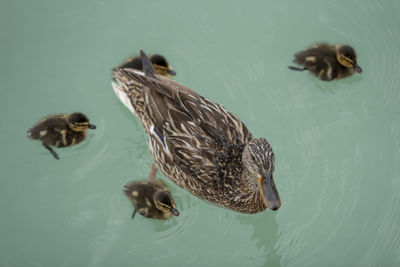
252	195
249	180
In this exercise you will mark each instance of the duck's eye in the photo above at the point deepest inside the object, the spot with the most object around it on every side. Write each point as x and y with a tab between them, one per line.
349	56
81	124
159	60
163	63
165	206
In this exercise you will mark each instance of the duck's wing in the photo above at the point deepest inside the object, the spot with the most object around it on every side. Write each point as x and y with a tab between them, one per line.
200	137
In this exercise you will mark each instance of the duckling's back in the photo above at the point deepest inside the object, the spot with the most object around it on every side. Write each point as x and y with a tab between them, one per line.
45	126
139	191
54	131
315	55
141	194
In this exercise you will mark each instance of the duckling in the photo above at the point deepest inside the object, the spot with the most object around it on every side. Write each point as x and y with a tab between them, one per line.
61	130
151	199
159	62
328	62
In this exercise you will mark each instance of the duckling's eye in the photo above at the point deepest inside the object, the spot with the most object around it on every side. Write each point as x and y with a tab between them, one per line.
349	56
81	124
164	205
158	60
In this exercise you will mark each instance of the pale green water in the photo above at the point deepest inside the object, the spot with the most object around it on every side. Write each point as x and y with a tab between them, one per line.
336	144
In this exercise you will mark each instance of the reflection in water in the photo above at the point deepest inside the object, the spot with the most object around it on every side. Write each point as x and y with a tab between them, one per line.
336	144
265	233
176	226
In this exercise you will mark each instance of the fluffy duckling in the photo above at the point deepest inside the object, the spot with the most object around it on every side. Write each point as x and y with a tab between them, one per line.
328	62
160	64
151	199
61	130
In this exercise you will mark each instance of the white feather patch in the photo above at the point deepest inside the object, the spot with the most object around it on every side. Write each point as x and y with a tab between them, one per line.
135	71
163	142
152	132
123	97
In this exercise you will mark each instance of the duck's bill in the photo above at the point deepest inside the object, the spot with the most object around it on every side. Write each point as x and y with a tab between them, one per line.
171	72
357	68
92	126
269	191
175	212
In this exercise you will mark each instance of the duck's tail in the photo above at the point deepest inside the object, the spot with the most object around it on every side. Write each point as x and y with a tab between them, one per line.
147	66
125	80
32	134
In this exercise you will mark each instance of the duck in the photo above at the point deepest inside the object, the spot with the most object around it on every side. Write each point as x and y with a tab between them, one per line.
151	198
61	130
159	62
328	62
198	144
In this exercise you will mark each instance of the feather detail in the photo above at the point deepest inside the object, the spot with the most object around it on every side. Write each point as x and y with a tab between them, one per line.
195	142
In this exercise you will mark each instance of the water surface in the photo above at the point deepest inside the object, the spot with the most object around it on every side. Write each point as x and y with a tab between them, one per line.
336	144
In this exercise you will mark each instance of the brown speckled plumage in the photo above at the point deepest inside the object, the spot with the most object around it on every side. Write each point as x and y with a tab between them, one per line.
197	143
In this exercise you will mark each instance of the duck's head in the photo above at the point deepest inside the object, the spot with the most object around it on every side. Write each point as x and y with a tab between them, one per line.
258	159
165	203
78	122
347	57
161	65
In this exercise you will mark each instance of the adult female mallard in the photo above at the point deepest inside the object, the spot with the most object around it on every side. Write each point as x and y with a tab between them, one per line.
328	62
198	144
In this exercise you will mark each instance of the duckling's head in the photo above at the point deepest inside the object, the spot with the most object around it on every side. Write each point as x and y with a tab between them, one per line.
78	122
161	65
258	159
347	57
165	203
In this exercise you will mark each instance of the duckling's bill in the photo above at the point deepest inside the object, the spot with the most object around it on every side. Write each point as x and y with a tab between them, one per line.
175	212
171	72
163	69
357	68
269	192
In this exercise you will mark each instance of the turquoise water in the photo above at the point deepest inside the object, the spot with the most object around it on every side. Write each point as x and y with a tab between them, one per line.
336	144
